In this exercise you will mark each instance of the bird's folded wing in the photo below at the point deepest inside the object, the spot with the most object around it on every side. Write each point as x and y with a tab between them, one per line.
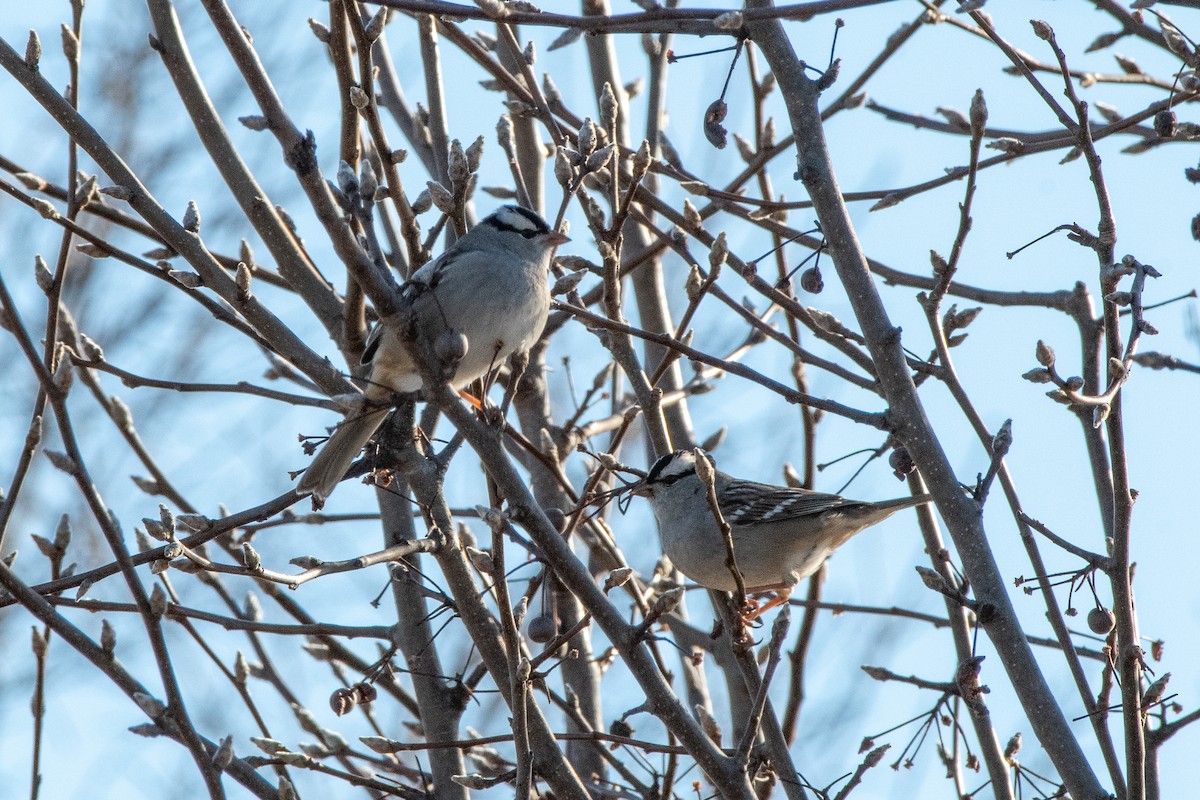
747	503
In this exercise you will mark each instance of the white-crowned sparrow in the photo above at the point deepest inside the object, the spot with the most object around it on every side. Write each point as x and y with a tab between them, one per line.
490	286
780	534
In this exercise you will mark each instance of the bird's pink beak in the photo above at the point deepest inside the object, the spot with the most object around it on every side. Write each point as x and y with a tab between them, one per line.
554	238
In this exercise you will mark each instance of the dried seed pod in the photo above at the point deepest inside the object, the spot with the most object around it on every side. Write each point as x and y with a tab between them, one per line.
901	462
556	518
366	692
714	131
342	701
621	728
1100	621
542	629
1166	123
811	280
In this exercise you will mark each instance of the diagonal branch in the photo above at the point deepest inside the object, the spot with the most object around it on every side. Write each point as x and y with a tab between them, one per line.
907	415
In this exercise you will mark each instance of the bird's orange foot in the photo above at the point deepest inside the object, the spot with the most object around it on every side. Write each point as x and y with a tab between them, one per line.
749	611
753	610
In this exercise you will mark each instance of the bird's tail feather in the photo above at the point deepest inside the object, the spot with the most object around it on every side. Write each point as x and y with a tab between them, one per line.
338	453
878	512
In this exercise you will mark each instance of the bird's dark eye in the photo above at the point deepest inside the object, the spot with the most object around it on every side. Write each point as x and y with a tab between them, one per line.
667	480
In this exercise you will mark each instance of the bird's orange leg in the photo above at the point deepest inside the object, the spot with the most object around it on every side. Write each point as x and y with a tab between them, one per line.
472	399
485	383
755	611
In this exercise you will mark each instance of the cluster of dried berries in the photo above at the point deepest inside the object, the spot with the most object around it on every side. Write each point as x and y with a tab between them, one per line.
346	698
